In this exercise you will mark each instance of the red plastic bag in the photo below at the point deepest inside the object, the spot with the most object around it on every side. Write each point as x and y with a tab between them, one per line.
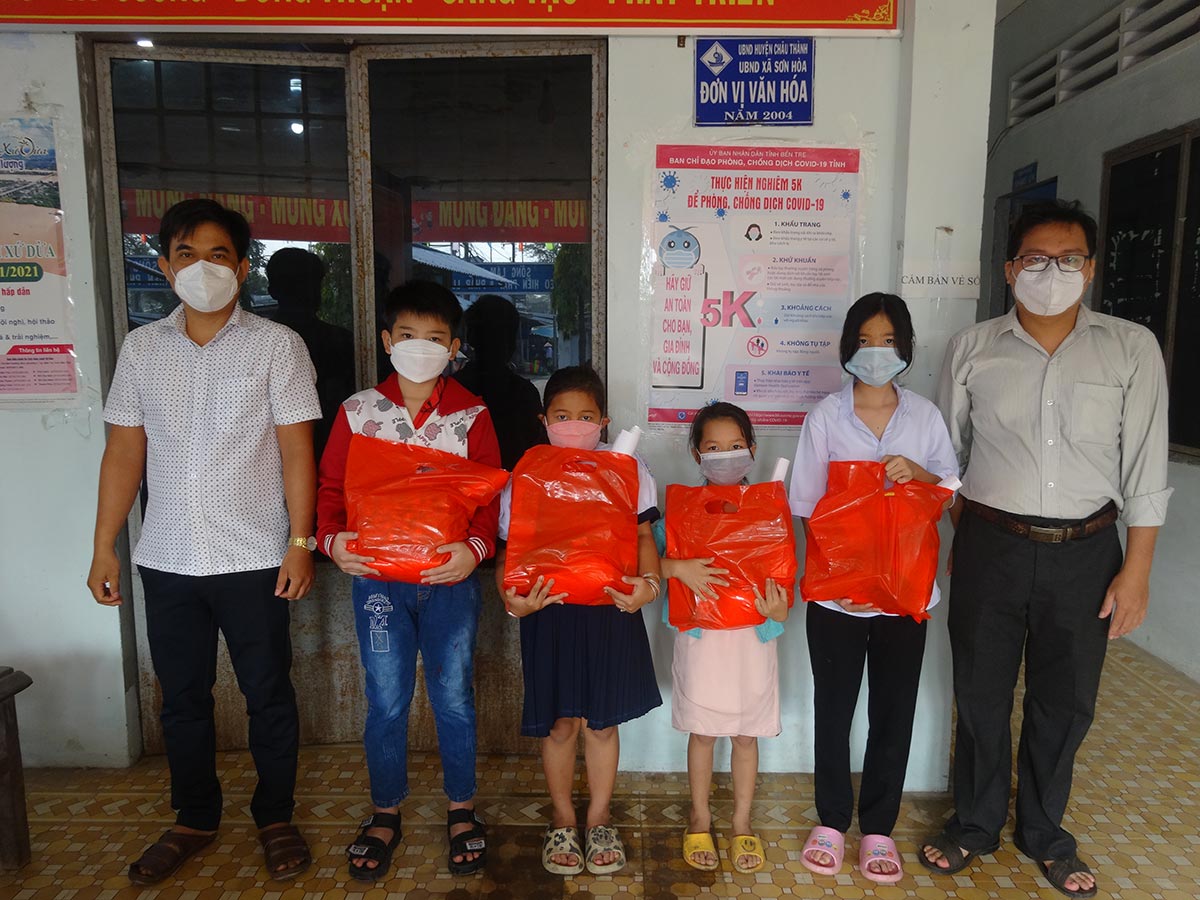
748	530
405	501
573	519
874	544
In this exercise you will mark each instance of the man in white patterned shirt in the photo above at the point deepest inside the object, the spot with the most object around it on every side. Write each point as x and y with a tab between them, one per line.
215	405
1059	418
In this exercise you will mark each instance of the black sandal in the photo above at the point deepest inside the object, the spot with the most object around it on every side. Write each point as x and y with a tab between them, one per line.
372	849
473	841
953	855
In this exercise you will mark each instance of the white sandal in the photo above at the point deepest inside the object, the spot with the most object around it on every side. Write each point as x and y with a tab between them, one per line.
559	842
604	839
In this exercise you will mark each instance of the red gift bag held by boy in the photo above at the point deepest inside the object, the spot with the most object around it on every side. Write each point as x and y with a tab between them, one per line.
574	519
874	543
388	483
747	529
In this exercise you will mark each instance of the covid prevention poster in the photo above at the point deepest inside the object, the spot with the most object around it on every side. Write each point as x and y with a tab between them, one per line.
753	254
37	351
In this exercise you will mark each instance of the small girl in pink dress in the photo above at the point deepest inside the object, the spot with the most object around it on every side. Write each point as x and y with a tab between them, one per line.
726	682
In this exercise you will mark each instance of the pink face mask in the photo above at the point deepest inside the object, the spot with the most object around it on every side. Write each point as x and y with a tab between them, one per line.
574	433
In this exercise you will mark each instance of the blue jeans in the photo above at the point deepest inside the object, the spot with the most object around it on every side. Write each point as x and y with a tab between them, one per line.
394	621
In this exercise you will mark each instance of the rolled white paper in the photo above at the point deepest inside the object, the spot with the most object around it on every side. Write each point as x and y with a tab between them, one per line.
627	441
781	467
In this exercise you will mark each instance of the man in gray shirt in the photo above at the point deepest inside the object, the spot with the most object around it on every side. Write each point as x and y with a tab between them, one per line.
1059	418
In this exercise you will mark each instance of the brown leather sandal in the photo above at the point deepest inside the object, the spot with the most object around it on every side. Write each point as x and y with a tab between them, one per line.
163	858
281	844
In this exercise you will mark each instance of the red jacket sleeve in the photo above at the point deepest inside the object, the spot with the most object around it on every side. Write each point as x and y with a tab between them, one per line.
483	448
331	499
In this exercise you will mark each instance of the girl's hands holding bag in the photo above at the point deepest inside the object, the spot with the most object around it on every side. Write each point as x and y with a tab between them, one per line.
698	574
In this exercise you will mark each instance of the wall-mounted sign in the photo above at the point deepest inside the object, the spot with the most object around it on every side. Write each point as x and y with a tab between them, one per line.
1025	176
589	16
37	344
754	81
751	255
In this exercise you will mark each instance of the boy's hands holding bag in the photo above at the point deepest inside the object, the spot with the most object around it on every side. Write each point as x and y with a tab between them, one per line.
462	562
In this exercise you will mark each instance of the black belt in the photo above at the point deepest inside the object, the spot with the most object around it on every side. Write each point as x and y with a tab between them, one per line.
1069	531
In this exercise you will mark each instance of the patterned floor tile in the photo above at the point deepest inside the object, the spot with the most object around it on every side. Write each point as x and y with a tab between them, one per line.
1134	809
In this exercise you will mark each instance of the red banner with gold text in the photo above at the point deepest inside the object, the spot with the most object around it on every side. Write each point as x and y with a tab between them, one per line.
325	219
674	16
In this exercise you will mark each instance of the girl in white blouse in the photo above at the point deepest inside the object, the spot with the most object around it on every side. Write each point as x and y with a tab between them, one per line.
872	418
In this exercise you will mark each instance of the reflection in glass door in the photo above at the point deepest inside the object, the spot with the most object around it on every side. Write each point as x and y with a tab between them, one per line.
268	141
481	174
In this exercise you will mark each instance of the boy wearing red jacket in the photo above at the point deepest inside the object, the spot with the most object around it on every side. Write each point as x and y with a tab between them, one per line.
437	617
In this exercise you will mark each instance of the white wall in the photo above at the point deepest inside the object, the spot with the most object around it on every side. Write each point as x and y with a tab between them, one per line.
1069	142
76	712
926	151
916	105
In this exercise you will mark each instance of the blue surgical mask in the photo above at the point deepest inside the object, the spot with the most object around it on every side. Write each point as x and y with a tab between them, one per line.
876	366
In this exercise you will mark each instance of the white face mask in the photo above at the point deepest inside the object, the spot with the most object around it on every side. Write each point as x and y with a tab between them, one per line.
419	360
875	366
727	466
1050	291
205	286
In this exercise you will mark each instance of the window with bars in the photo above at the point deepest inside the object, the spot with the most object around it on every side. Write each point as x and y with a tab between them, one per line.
1131	33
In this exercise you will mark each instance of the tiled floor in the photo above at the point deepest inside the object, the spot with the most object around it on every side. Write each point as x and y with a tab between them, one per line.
1134	808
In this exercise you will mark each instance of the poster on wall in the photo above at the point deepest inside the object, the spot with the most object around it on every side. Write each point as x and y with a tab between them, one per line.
37	350
753	252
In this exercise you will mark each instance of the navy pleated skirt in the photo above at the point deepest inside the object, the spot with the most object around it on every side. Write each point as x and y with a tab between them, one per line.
590	662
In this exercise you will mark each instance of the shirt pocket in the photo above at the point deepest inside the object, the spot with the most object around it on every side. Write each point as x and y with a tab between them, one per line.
239	404
1096	411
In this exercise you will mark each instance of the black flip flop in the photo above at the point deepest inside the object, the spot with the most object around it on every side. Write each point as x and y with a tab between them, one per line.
950	850
372	849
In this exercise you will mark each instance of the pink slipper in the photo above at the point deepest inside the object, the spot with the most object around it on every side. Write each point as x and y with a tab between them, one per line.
824	840
879	847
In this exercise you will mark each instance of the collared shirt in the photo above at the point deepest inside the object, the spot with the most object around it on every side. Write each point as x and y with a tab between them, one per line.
832	431
1060	436
451	419
213	466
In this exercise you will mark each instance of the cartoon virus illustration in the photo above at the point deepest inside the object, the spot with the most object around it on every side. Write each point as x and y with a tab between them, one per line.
669	181
679	249
721	213
846	196
662	216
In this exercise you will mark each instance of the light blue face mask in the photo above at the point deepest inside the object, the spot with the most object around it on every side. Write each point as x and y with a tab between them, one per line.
876	366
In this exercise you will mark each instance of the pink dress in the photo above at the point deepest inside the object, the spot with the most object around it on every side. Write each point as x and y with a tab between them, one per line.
725	683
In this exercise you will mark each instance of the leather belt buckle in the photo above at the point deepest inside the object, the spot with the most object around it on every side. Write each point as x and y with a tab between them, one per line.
1047	535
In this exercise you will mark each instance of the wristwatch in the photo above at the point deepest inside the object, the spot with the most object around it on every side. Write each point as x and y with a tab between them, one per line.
305	543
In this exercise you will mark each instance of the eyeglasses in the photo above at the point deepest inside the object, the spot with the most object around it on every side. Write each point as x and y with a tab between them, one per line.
1036	262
